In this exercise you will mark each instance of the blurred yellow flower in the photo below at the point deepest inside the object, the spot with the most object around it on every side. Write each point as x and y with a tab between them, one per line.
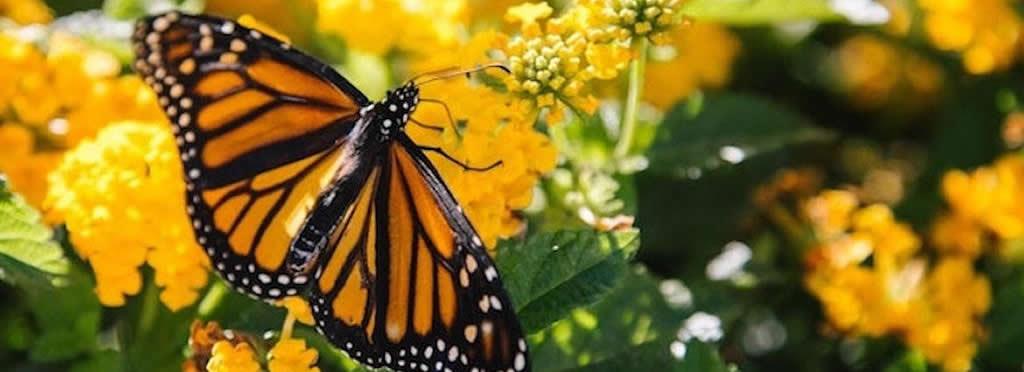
61	97
228	357
875	72
24	168
292	355
957	297
249	21
552	63
986	208
700	55
901	16
872	281
985	32
26	11
379	27
114	194
291	17
829	212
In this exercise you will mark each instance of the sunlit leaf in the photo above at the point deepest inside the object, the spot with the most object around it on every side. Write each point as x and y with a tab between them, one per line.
28	255
631	329
726	129
549	275
751	12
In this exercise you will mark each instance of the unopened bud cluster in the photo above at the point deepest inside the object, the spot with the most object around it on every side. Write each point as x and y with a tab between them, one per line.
548	65
641	18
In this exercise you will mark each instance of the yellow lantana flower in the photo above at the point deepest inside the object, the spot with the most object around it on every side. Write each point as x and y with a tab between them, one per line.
553	63
63	97
292	355
115	195
379	27
228	357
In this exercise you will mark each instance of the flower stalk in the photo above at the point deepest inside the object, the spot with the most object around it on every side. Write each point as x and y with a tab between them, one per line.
636	76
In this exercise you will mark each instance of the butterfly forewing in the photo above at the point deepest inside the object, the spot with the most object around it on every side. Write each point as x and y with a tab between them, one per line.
258	126
408	283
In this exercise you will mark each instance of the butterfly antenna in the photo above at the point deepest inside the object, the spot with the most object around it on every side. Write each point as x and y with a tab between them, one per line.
433	73
454	72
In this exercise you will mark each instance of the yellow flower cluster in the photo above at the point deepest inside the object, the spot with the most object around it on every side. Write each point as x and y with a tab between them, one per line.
985	32
231	351
986	209
875	72
53	100
553	62
632	19
228	357
489	127
872	280
117	195
379	27
291	355
699	55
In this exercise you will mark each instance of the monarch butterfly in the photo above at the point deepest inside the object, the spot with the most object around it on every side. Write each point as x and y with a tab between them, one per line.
297	183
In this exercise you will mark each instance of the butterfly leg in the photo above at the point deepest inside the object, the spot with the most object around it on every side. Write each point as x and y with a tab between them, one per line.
447	111
427	126
461	164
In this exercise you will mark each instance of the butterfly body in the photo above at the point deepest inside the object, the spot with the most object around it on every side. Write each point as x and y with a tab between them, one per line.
298	185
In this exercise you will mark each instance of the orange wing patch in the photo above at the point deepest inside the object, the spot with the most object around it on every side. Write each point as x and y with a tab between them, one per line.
232	107
278	124
262	214
428	211
347	236
218	83
287	80
423	315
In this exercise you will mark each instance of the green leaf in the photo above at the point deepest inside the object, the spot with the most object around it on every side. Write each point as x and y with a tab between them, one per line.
65	312
911	361
727	128
683	232
103	361
152	336
754	12
1005	321
29	258
549	274
631	329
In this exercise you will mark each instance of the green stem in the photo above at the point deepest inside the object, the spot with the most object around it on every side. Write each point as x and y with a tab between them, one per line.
636	77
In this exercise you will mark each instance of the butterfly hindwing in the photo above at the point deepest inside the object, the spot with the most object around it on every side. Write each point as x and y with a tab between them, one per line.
258	126
407	282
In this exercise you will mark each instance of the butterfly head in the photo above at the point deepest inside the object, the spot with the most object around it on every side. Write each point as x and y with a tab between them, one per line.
392	113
